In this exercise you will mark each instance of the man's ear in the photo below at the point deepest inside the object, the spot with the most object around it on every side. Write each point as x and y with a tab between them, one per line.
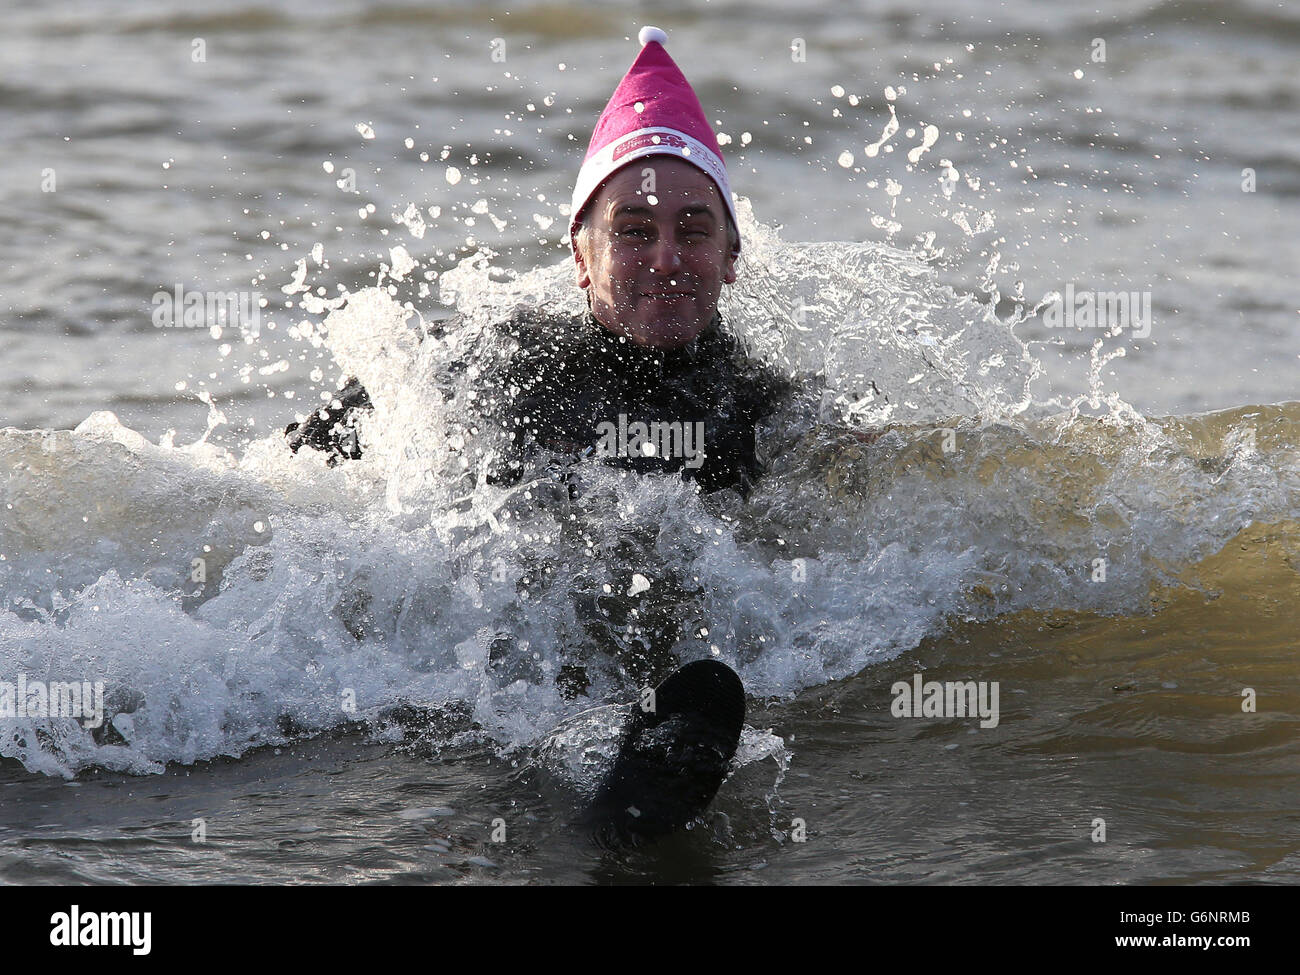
580	262
729	271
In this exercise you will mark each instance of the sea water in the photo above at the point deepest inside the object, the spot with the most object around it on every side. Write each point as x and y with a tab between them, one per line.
298	659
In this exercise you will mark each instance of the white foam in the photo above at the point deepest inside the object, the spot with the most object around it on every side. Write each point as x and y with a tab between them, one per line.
397	577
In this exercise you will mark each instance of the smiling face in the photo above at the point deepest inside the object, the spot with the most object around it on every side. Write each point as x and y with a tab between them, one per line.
654	262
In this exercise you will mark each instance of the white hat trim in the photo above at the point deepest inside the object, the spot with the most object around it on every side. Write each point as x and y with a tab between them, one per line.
659	140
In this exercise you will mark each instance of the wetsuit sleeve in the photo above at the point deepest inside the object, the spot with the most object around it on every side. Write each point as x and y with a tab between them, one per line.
333	428
746	450
793	413
534	387
516	409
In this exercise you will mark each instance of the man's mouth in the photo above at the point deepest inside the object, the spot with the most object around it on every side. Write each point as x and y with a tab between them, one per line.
666	295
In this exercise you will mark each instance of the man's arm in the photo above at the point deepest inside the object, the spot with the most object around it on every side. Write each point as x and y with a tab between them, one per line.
333	428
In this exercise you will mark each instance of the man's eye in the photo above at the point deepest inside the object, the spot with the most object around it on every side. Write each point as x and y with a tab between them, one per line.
632	232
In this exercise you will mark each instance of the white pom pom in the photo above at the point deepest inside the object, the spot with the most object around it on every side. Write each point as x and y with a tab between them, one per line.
649	34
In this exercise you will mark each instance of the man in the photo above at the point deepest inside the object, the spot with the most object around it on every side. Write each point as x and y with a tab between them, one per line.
647	379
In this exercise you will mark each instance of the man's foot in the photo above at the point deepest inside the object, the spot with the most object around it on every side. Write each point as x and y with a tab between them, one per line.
675	752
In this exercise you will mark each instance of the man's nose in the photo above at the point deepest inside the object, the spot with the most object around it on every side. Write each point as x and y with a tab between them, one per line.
665	255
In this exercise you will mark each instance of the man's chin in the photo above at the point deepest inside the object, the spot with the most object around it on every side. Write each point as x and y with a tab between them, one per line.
662	330
666	331
668	335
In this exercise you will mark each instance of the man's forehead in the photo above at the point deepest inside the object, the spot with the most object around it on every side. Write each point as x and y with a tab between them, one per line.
642	207
680	187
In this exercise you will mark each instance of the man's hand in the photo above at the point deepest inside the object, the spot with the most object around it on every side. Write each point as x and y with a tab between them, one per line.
333	428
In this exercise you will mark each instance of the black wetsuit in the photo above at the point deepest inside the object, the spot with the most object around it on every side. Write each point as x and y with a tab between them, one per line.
542	387
570	386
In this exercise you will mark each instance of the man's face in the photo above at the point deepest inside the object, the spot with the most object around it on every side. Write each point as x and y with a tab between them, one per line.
656	260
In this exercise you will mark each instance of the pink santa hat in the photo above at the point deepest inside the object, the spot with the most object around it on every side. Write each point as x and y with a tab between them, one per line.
654	110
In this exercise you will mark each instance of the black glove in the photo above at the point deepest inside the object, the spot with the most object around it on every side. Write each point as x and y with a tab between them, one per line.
333	428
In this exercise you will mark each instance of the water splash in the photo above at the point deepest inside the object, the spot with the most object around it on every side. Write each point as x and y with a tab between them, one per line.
233	602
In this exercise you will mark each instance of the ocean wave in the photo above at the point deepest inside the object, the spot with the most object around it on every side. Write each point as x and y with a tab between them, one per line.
229	602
